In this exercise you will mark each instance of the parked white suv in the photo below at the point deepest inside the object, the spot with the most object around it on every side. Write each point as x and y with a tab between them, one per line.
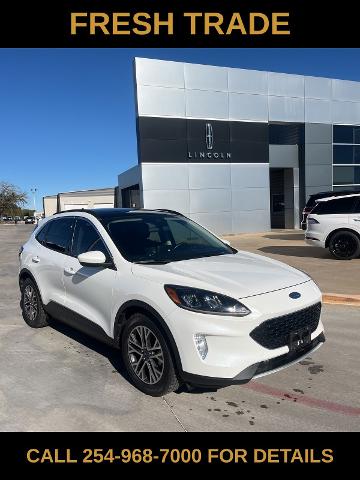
181	305
334	223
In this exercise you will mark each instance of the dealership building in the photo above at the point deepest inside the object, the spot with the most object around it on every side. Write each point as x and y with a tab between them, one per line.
239	150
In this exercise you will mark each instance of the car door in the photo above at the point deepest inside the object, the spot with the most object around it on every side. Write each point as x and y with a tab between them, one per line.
354	218
89	290
47	262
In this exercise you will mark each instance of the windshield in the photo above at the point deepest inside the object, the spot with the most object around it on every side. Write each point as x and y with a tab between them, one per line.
161	238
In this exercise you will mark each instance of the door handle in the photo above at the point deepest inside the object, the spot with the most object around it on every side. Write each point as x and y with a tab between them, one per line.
356	219
69	271
36	259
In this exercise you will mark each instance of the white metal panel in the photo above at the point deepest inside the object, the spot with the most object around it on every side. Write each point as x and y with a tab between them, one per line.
256	221
247	199
210	200
286	109
205	77
317	111
209	175
316	87
345	90
161	101
171	199
250	175
159	73
247	81
244	106
219	223
286	85
207	104
346	113
161	176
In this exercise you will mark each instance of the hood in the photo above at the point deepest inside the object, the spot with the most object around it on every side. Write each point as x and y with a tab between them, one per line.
241	275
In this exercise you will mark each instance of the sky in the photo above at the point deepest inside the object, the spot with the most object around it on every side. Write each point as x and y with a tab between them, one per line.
67	116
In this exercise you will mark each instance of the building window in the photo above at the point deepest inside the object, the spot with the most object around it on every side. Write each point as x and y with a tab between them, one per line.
346	155
346	134
347	175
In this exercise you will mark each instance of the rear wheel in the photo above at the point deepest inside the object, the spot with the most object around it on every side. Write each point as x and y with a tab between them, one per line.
32	308
147	357
344	245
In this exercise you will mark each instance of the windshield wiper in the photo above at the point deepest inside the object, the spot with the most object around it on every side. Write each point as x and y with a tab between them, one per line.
152	262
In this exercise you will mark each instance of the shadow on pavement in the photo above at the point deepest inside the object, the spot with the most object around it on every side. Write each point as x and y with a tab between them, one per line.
310	252
286	236
111	353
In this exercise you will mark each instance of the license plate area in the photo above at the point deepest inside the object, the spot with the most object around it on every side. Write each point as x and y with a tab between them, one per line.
299	339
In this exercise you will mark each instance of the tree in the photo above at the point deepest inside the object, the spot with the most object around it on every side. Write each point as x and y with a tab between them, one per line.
11	198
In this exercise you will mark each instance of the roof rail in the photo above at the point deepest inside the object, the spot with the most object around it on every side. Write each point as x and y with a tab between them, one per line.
167	211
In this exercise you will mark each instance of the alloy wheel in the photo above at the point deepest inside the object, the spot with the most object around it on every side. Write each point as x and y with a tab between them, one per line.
146	356
30	302
344	246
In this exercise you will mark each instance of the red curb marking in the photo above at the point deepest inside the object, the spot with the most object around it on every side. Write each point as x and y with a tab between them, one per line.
305	400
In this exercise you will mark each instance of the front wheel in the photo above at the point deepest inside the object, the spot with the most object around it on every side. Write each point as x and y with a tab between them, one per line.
147	357
344	245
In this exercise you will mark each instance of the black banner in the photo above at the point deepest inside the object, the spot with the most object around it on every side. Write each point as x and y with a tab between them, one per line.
144	23
231	452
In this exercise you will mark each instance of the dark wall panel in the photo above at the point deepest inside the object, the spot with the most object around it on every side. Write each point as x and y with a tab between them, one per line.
185	140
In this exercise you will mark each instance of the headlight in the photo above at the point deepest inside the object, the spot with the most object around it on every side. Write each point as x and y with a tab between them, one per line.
203	301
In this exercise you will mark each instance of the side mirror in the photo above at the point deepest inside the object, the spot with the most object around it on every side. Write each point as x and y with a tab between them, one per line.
93	259
226	242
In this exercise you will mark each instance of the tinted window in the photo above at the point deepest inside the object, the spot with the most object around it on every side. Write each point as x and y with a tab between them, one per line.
87	239
40	237
357	206
58	234
346	154
152	237
346	175
346	134
341	205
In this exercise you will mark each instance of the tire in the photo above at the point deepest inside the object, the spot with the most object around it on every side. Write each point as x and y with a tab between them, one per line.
149	364
32	307
344	245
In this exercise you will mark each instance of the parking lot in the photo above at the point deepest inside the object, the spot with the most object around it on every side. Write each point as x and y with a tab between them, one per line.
56	379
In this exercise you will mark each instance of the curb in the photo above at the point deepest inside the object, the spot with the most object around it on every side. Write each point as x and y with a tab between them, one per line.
337	299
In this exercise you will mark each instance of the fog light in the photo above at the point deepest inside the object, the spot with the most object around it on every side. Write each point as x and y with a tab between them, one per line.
201	344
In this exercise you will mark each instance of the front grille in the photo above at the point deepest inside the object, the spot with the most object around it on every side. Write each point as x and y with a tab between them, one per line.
275	333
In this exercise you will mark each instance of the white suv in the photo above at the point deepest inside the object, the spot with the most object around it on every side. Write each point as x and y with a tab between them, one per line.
181	305
334	223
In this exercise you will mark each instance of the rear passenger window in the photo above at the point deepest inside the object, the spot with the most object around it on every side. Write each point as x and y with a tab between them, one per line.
58	235
338	206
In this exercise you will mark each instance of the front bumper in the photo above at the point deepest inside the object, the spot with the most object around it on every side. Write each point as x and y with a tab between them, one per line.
257	370
231	348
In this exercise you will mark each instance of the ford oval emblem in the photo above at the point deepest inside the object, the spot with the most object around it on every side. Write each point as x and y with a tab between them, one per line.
294	295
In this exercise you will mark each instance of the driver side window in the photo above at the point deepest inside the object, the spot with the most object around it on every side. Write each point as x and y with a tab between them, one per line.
87	239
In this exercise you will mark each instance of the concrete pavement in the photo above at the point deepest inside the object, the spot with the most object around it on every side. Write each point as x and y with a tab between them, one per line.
332	276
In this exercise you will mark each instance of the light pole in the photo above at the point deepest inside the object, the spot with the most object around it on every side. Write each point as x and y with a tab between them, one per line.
33	191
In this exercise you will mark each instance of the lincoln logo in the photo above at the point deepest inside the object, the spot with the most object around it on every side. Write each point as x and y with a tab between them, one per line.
209	153
209	135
